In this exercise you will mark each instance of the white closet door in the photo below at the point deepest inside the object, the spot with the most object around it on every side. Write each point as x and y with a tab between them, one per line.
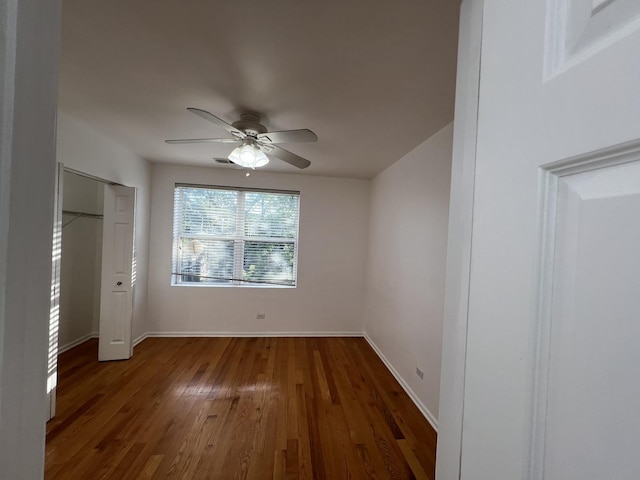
116	293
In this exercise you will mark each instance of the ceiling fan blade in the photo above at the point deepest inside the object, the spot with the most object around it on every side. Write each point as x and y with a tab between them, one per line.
289	136
203	140
217	121
286	156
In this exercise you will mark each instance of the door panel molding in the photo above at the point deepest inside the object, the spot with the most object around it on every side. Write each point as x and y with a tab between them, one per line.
553	177
577	30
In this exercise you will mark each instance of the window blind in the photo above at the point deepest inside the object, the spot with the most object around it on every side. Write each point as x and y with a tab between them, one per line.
224	236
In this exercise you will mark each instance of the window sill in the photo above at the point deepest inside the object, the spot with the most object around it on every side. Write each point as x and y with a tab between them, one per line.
205	285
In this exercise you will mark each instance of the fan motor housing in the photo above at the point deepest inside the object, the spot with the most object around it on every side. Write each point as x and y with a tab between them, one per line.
250	124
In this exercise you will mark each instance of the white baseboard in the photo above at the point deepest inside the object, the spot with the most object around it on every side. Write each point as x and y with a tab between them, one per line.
139	339
89	336
76	342
412	395
247	334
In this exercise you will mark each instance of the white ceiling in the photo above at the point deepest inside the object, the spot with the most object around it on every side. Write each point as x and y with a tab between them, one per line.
372	78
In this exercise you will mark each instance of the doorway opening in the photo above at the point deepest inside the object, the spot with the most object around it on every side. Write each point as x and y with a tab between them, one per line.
92	270
81	261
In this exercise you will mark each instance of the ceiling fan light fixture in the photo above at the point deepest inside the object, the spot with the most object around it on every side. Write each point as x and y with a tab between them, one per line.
248	156
261	158
256	138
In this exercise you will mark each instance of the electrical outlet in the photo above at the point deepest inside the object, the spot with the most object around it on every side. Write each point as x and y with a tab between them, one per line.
261	316
419	372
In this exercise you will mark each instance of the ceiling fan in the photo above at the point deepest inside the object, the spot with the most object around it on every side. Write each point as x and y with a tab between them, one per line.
255	140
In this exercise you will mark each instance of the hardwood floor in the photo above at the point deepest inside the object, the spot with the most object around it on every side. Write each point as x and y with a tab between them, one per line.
227	408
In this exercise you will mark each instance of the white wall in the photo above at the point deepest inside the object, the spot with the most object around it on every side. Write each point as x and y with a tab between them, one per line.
406	265
29	45
81	260
331	263
83	149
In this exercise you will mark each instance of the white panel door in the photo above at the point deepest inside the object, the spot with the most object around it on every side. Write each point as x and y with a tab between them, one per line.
551	385
116	293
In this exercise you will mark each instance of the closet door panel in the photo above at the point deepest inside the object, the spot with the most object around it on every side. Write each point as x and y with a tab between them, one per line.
116	299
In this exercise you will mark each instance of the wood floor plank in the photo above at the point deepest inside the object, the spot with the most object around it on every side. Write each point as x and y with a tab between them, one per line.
236	408
150	467
410	456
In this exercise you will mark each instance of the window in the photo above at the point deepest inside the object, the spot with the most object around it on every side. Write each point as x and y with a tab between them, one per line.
233	236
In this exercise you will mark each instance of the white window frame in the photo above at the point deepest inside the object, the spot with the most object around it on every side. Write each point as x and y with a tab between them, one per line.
239	240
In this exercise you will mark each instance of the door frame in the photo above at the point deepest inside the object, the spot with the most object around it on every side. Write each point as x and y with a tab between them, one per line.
53	345
459	244
29	48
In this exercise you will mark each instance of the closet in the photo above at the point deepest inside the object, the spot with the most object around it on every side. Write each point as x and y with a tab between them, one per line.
82	210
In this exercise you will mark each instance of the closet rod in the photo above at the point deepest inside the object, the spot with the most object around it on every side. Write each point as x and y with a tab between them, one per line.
78	215
82	214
